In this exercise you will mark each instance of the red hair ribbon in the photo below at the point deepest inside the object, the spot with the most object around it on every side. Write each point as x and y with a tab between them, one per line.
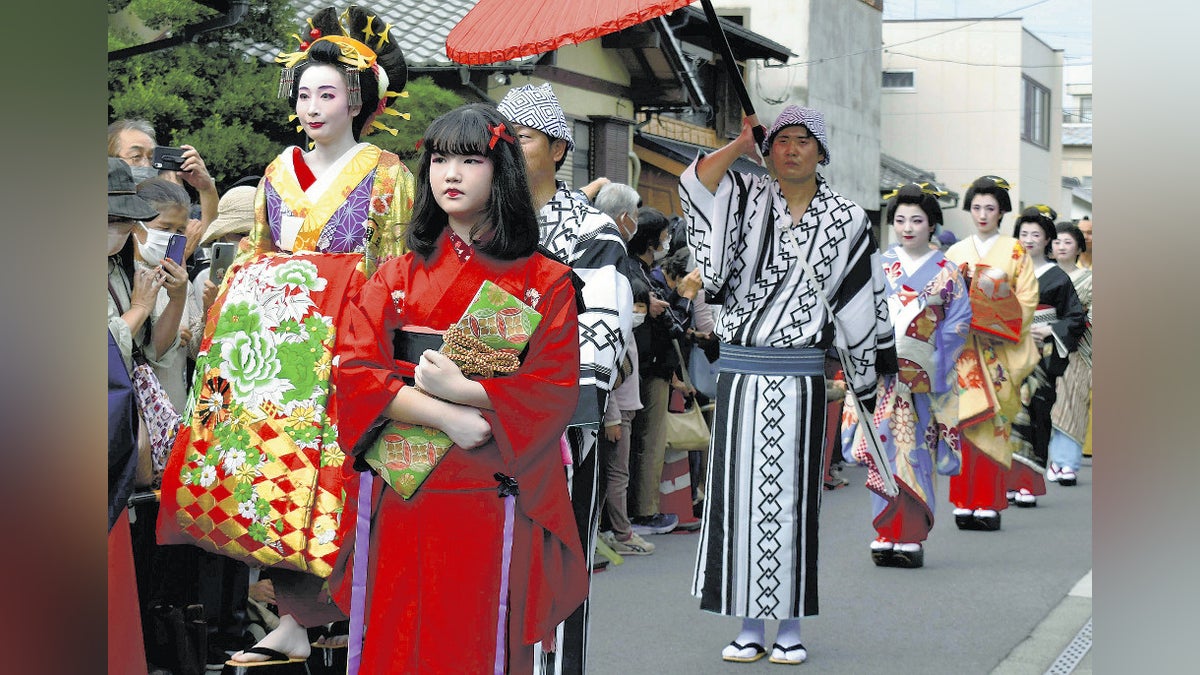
498	132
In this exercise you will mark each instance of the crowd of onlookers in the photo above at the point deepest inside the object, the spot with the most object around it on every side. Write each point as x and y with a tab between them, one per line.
190	599
670	321
669	363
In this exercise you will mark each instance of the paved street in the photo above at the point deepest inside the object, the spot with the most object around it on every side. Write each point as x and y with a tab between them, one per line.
984	602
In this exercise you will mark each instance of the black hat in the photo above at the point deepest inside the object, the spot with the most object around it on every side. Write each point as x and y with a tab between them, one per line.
123	200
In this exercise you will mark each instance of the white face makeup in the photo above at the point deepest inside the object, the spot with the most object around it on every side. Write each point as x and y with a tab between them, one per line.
986	214
912	229
1033	239
323	105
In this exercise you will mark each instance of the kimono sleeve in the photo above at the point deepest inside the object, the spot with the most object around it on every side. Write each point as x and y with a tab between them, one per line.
606	321
950	337
864	322
1023	356
951	332
715	222
397	187
259	240
368	376
1025	287
532	406
1071	320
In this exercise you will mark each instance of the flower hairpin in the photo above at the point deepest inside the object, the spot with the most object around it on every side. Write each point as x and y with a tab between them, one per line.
498	133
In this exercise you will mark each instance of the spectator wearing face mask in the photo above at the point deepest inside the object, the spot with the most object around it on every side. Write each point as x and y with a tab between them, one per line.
151	240
131	294
133	141
700	348
657	367
620	202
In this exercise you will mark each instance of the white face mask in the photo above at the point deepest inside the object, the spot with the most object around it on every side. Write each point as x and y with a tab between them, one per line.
141	173
638	319
116	239
660	253
155	248
629	235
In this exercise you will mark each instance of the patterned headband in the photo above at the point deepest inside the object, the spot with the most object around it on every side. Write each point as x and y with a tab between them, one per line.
794	115
537	107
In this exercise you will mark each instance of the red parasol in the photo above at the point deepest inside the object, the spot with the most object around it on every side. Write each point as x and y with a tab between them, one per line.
502	30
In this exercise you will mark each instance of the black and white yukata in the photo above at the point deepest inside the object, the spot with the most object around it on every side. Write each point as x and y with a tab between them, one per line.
757	554
588	240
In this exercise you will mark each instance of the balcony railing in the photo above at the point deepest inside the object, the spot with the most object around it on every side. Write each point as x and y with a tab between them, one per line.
1077	116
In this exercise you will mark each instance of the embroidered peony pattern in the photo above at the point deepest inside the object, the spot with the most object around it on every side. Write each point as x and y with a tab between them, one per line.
266	382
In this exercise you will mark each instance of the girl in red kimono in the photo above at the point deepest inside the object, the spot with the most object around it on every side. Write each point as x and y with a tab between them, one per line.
484	560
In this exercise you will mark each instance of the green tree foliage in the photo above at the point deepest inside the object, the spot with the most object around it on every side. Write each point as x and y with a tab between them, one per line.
207	96
425	102
213	96
165	14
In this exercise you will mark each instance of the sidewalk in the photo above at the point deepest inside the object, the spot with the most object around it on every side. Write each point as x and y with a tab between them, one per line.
1058	645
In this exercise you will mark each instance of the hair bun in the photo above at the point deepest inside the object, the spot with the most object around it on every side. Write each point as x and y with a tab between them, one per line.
371	30
325	20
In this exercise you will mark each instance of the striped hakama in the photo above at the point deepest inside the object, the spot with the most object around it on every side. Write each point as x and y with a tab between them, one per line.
758	541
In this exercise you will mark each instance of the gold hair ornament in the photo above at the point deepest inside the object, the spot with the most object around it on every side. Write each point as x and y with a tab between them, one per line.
355	56
926	188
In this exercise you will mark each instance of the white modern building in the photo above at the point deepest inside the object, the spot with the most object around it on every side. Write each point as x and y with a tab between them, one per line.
969	97
835	70
1077	142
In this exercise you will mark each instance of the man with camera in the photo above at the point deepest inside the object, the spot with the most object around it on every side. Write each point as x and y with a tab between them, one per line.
134	142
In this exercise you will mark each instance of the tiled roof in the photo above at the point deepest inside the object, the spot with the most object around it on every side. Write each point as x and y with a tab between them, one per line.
1077	134
426	23
420	26
893	172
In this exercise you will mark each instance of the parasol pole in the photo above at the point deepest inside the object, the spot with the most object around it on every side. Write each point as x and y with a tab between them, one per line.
722	42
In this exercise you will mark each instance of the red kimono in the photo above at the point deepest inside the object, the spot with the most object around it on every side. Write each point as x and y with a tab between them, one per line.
434	573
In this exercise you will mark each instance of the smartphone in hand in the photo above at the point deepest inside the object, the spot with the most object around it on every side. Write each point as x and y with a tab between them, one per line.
167	158
223	253
175	247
